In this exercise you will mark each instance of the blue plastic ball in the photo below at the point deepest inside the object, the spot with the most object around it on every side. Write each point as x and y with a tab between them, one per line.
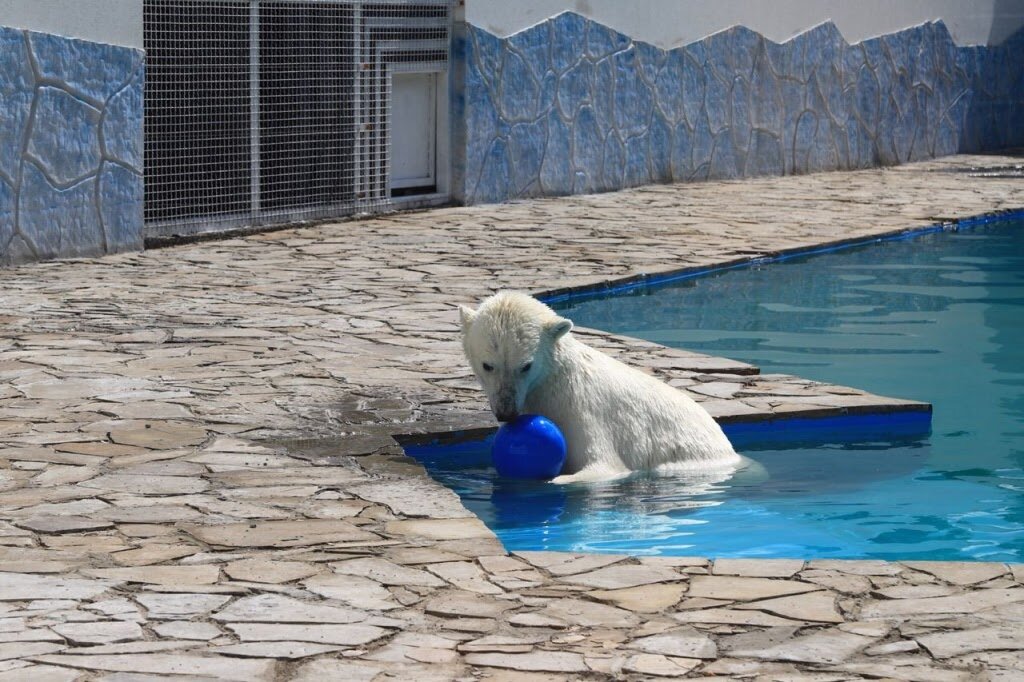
531	446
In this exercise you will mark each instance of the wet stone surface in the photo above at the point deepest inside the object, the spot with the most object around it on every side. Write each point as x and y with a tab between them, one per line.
200	472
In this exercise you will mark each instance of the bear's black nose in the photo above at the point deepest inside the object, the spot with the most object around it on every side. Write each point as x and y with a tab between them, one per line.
505	415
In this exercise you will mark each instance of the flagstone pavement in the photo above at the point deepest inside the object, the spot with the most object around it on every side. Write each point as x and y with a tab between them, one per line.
201	471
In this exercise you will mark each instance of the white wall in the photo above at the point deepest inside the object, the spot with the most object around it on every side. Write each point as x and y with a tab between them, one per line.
116	22
665	23
671	23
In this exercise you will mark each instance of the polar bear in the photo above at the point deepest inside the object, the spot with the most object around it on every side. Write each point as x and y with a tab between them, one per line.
615	419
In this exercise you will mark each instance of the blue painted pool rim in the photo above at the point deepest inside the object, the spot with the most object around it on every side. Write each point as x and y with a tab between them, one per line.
643	280
835	426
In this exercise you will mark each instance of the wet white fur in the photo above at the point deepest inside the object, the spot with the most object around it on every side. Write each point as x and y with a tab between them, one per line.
615	419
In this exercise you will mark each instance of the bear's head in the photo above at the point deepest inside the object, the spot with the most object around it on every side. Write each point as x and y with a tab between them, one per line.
509	342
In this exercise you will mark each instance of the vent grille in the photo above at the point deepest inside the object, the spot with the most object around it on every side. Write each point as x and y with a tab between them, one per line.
197	122
307	106
272	111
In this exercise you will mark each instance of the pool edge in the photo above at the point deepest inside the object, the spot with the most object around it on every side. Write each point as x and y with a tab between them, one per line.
641	280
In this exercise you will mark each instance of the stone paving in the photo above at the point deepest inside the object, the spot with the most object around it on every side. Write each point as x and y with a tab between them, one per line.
201	475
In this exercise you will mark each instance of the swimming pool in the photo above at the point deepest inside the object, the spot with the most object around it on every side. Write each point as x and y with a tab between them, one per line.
939	318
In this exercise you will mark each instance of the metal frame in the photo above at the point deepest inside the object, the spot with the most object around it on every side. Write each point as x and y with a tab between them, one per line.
351	143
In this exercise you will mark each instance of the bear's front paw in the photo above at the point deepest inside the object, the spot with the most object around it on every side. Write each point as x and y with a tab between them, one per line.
590	474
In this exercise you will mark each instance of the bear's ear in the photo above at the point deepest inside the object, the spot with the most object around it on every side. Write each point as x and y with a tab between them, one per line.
466	314
558	327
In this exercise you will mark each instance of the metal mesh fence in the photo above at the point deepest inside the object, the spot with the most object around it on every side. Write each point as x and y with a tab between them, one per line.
197	122
270	111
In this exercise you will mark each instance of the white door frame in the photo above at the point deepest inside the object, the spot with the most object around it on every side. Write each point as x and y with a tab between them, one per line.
430	124
442	138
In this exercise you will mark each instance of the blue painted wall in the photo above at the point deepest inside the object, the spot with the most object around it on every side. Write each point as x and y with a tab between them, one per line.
571	106
70	147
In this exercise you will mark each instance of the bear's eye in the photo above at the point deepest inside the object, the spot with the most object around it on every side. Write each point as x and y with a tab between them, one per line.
526	367
488	368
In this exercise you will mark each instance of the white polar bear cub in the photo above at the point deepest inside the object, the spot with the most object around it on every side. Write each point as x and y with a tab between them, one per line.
615	419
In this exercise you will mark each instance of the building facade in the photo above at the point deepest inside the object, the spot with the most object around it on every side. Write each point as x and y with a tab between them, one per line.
127	120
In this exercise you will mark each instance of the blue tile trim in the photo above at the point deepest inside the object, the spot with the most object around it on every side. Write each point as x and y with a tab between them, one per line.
762	433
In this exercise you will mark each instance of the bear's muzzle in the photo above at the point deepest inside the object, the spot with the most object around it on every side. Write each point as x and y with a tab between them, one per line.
505	406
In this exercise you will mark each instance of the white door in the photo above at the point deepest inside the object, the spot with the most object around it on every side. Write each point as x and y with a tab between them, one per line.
413	131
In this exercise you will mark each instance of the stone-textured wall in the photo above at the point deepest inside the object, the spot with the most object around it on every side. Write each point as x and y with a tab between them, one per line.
572	106
70	147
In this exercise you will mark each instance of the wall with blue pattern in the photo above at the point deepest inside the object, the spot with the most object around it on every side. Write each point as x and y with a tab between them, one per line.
571	106
70	147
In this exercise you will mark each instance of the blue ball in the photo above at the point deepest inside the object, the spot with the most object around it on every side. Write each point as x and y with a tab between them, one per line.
529	447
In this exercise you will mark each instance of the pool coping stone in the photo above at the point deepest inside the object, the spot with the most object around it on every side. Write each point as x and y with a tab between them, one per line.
203	471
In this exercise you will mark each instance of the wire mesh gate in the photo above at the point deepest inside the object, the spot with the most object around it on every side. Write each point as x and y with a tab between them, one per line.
271	111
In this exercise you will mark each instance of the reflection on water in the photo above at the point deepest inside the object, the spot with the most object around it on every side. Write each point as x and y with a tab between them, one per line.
805	500
939	318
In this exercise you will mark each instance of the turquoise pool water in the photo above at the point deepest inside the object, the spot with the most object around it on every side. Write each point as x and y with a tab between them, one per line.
939	318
